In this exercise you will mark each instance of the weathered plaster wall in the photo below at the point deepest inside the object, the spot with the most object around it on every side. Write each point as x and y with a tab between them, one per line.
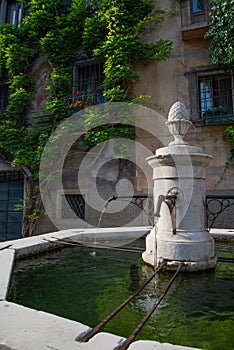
165	82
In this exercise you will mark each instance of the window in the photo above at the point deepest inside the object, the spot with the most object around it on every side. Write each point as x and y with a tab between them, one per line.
70	205
12	12
198	6
214	92
73	203
212	96
200	11
195	14
88	77
88	82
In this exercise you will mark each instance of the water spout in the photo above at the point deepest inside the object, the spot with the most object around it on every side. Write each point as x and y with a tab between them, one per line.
127	199
112	198
170	200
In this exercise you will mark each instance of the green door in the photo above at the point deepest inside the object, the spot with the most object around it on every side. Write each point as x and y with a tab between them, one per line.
11	192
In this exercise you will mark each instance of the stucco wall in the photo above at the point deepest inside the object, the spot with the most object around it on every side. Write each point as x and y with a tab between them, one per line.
166	82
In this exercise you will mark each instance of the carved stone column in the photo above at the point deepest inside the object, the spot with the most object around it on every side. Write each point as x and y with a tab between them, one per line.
179	170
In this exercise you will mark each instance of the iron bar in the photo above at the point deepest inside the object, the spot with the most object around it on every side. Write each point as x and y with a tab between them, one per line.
115	248
86	337
74	243
61	241
130	339
7	246
215	205
226	260
220	196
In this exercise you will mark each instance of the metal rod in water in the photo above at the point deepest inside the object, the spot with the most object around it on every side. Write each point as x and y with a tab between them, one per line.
228	260
155	250
130	249
97	328
74	243
6	247
130	339
119	249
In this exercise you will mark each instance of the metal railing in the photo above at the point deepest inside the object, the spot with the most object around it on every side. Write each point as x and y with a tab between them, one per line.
216	205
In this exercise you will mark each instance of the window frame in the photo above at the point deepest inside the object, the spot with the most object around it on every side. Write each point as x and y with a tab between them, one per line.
212	115
200	16
194	19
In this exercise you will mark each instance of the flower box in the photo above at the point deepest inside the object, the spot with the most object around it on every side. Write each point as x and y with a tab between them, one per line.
215	117
72	110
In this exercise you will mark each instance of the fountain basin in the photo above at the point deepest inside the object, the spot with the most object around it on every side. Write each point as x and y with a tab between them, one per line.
46	330
23	328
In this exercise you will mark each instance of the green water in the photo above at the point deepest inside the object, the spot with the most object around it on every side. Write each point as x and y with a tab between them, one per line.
198	310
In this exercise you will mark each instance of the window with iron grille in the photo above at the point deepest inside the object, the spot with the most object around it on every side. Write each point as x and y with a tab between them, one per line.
74	202
212	96
88	82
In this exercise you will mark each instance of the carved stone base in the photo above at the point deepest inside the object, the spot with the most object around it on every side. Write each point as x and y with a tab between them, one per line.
195	249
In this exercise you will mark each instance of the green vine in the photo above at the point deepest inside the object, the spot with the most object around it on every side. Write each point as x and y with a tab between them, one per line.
108	28
114	32
221	50
111	29
229	135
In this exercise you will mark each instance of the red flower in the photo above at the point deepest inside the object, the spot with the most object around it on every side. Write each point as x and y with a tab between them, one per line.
78	92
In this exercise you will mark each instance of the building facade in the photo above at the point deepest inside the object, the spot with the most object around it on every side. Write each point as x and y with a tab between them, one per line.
186	76
207	91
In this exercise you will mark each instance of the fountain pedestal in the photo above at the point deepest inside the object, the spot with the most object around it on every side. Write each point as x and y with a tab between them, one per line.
179	234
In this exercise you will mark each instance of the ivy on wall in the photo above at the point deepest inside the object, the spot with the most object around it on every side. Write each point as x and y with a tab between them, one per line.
221	50
108	28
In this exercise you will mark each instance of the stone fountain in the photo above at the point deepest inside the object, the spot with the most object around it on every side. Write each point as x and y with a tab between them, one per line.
179	173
